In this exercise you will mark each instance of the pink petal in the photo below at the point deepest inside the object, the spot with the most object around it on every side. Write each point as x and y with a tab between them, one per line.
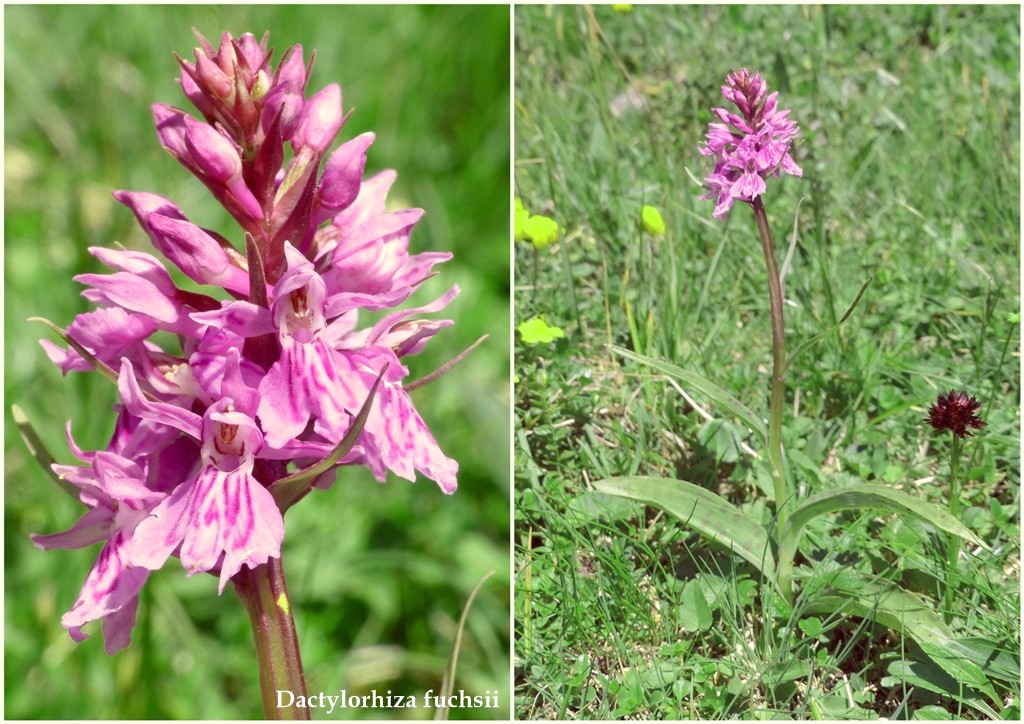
94	526
136	403
285	397
144	302
243	318
406	443
234	515
158	535
388	323
117	627
113	584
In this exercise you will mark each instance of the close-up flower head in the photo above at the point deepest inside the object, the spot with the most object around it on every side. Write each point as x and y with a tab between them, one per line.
275	373
955	411
750	147
263	335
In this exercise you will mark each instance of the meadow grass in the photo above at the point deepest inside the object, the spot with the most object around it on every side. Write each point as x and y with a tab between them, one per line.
909	121
378	573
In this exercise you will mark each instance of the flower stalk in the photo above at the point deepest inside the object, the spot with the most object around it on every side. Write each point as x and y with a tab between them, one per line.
264	592
953	547
778	390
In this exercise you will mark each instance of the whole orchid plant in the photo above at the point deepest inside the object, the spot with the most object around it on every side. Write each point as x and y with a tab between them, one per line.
238	398
750	148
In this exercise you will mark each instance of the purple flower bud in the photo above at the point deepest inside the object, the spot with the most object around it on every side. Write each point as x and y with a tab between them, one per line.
170	129
253	52
212	152
320	121
192	90
226	54
218	158
342	177
194	251
211	78
291	73
190	248
289	104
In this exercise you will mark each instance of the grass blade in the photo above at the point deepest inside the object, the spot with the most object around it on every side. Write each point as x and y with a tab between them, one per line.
705	386
856	497
807	344
703	511
448	683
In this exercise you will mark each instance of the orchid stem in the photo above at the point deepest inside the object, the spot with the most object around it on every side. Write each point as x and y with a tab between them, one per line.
265	594
953	548
778	394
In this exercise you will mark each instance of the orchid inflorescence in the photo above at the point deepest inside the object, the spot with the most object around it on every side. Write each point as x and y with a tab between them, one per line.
750	147
955	411
274	375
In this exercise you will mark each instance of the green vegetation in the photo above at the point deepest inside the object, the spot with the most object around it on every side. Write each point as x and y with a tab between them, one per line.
909	144
378	573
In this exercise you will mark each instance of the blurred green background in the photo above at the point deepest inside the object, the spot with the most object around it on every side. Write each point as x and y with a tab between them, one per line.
378	573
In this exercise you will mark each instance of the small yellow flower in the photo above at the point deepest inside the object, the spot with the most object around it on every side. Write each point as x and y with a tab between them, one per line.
541	230
521	217
625	8
652	221
537	331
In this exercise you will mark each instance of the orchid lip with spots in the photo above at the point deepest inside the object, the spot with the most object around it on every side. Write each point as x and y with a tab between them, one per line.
275	373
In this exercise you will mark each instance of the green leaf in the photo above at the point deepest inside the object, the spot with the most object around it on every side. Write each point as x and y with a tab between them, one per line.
933	713
847	591
702	510
929	677
837	707
706	387
722	439
537	331
785	671
694	614
855	497
811	626
995	661
962	670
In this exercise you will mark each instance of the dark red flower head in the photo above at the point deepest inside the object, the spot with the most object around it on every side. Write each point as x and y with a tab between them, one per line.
955	411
